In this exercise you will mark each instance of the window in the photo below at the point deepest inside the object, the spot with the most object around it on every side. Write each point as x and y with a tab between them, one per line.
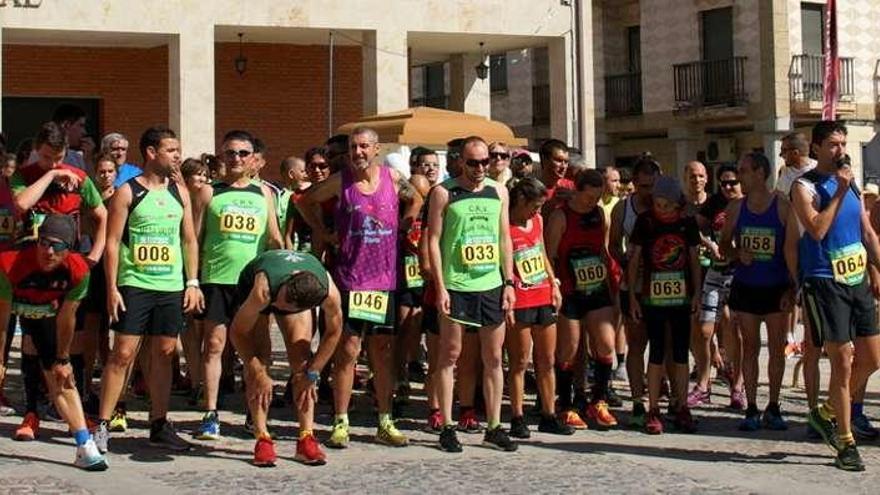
813	28
23	116
540	87
717	34
634	49
498	73
429	86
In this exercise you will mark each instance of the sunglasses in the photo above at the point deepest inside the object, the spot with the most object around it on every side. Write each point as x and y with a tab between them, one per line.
320	166
240	153
477	163
729	183
498	155
57	246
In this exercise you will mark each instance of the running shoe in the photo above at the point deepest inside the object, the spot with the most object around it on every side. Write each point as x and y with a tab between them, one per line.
698	397
812	434
308	451
338	436
664	388
620	374
573	419
519	428
88	457
848	458
863	429
50	413
6	408
468	422
773	420
737	400
497	438
612	398
653	422
264	452
163	435
29	428
389	435
751	422
102	437
552	424
599	414
210	427
684	422
118	422
435	421
638	417
449	440
824	428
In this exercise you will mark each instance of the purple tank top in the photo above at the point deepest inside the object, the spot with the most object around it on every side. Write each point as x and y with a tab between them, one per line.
367	226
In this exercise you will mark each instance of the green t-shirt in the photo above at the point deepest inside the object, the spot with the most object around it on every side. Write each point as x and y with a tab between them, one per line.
279	265
235	226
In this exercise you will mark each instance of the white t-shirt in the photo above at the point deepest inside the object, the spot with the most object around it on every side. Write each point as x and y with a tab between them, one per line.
789	175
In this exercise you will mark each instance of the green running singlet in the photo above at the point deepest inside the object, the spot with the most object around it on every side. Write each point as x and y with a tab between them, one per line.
469	245
235	226
279	265
150	256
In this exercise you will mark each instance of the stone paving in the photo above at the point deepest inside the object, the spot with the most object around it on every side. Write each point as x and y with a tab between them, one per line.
719	458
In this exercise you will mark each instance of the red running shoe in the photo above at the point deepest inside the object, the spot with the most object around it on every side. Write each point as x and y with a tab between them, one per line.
264	453
309	452
684	422
468	422
435	422
654	424
29	428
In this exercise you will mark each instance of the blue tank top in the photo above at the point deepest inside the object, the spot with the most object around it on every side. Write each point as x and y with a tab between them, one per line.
764	236
840	254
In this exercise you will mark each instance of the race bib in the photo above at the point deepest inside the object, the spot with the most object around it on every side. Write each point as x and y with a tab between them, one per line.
412	273
848	264
153	254
480	253
7	224
589	273
759	241
667	289
33	311
241	224
530	265
368	305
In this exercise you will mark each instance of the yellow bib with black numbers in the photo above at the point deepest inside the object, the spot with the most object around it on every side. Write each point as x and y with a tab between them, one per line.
530	265
589	273
477	254
667	289
848	264
237	222
759	241
411	272
7	225
368	305
153	254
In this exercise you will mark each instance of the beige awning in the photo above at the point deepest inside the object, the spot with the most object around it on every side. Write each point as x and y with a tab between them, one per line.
433	127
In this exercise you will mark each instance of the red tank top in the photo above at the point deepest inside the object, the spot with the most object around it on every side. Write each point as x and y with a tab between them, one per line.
530	277
584	263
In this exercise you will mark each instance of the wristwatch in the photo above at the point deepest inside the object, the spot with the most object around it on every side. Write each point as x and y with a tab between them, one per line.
508	283
313	376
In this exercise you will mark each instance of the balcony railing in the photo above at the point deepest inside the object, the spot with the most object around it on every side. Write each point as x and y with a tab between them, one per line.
806	78
706	83
623	95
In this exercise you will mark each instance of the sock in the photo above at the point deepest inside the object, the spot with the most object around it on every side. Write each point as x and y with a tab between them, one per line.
81	436
846	438
78	363
752	409
601	375
342	418
156	425
773	407
305	433
384	419
493	423
564	376
32	377
826	411
856	409
621	360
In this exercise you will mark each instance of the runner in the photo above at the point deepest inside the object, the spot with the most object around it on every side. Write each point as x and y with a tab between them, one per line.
623	220
554	168
288	285
366	272
665	240
537	302
7	240
499	165
576	235
714	315
610	198
43	284
835	248
753	237
151	244
235	222
470	250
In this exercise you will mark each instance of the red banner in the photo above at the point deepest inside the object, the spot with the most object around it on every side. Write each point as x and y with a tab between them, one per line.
832	63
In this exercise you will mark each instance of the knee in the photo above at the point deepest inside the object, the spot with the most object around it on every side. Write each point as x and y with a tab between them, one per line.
493	360
122	356
165	350
448	357
346	354
519	364
214	345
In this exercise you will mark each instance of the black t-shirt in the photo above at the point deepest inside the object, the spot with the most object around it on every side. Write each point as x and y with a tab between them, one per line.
665	256
713	210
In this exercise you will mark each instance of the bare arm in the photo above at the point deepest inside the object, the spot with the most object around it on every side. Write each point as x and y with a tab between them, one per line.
116	219
438	201
504	229
26	199
553	235
243	324
726	242
289	234
65	321
615	233
5	313
310	204
193	300
99	215
332	310
275	238
200	206
815	223
790	249
869	238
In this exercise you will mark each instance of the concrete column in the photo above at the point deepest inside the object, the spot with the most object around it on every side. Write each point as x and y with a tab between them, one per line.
467	93
561	94
687	143
585	116
772	149
776	46
385	71
191	88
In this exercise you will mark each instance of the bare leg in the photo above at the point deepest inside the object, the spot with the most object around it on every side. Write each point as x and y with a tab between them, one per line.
448	352
491	346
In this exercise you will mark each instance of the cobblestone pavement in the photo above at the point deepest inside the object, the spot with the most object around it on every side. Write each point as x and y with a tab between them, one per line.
718	458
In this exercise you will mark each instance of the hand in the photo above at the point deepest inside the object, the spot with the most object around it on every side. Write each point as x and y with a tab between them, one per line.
306	392
193	300
635	309
715	252
63	374
177	177
745	257
787	301
260	391
875	288
508	298
844	179
556	298
115	305
2	375
696	303
443	304
92	260
67	178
